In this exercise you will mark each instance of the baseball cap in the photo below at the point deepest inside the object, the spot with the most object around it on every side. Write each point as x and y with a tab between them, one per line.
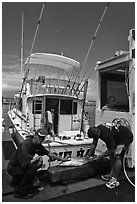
41	132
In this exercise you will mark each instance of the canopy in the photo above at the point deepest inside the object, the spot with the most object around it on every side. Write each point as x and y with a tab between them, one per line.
52	60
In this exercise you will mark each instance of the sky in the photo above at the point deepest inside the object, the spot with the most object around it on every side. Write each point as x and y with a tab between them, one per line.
66	27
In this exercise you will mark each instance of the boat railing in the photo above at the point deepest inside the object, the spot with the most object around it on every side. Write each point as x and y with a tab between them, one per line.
52	87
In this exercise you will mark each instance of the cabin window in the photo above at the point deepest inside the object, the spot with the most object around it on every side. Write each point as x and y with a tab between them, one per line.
52	104
74	107
65	106
37	107
114	85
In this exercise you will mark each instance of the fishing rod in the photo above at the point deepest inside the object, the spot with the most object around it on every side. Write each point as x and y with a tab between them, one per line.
94	37
86	78
72	87
71	77
37	28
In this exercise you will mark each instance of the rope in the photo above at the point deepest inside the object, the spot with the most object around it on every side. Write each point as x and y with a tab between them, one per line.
126	172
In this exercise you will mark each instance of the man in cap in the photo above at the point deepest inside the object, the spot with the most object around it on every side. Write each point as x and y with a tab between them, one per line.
117	140
22	165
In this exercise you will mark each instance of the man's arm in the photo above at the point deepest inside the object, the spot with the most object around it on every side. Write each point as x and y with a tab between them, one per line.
110	148
93	147
105	154
54	156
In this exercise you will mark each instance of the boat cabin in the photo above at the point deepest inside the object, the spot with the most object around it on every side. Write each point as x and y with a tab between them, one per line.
49	83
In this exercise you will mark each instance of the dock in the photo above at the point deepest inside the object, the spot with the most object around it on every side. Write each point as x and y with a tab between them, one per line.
49	191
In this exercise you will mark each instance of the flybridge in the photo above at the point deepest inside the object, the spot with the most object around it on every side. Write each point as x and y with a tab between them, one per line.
53	60
50	73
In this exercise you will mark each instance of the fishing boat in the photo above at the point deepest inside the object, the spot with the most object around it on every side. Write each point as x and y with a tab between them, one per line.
49	84
58	83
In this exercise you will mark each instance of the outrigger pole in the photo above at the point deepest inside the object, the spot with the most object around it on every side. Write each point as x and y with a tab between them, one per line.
86	80
94	37
37	29
25	75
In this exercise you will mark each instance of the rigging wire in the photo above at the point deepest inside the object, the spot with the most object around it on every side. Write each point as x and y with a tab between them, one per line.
94	37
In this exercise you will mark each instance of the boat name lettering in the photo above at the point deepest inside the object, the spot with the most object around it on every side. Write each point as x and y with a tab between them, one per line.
80	153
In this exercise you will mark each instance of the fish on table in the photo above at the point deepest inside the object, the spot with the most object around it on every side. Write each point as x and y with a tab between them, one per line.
76	161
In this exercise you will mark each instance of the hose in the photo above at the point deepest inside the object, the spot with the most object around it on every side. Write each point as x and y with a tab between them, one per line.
124	159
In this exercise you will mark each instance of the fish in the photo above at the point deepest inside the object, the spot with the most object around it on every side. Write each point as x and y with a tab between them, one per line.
76	161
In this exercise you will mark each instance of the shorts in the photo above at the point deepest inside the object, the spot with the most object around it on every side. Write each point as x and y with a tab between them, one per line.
120	150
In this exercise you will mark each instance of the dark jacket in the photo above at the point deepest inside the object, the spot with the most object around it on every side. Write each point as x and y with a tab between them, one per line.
21	158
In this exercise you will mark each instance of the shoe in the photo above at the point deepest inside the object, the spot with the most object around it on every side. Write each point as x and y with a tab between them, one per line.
106	177
112	183
28	196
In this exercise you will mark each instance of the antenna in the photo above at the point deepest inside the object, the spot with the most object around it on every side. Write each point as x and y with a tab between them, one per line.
22	36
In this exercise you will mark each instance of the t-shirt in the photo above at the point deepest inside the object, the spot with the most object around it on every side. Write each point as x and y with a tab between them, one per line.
106	135
49	116
113	137
123	136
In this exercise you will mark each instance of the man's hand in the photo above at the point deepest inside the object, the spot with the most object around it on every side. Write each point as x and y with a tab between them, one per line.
38	160
97	158
67	158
